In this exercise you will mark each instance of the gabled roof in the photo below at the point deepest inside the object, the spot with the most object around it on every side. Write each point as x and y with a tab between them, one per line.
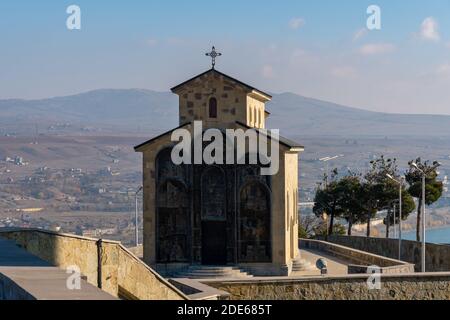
138	148
284	141
225	76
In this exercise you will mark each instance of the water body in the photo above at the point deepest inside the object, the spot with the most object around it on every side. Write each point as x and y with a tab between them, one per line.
441	235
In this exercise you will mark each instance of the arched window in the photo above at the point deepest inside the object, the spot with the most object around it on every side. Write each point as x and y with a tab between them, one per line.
213	108
173	214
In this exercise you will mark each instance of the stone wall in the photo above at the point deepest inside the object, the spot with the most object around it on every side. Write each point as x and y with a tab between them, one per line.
437	256
354	287
194	101
120	273
235	102
361	259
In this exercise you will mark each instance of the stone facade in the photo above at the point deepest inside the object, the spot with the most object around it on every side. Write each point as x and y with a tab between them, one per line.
393	287
235	101
183	203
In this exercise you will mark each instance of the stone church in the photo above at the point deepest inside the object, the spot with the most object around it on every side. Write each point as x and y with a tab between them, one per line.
227	215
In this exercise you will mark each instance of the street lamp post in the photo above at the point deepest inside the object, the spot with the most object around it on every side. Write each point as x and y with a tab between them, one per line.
424	175
423	223
423	258
326	159
400	207
395	232
136	215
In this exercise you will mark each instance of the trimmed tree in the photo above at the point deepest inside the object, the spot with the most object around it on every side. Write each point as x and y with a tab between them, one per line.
350	202
433	187
327	200
408	206
378	191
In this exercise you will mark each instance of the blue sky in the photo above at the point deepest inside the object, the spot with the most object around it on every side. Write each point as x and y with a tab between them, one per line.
318	48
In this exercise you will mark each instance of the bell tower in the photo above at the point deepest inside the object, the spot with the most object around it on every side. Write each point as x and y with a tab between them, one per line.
220	100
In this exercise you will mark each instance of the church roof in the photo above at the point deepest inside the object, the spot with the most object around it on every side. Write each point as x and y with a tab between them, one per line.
284	141
225	76
138	147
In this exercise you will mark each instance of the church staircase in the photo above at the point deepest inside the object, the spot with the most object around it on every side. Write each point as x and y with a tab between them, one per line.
300	265
213	272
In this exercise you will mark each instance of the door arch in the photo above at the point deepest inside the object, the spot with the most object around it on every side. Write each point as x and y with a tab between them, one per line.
214	216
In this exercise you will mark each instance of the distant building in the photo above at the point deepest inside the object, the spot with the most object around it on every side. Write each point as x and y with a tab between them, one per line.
30	210
18	161
96	233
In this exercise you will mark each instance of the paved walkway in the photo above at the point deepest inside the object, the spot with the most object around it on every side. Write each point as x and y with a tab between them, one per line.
27	276
335	265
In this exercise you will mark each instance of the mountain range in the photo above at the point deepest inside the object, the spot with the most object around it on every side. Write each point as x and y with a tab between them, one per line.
140	110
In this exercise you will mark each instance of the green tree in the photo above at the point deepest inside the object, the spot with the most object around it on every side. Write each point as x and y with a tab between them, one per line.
378	192
408	206
327	199
350	201
433	187
387	190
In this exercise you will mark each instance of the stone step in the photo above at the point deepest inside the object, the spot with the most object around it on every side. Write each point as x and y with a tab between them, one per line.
214	268
205	272
208	274
302	265
212	276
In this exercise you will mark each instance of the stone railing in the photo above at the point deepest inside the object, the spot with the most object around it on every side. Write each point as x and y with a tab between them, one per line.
106	264
350	287
359	260
437	256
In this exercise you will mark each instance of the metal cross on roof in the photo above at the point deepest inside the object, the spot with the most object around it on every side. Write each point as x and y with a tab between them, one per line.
213	54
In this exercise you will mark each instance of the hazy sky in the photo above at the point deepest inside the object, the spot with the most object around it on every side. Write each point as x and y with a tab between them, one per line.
316	48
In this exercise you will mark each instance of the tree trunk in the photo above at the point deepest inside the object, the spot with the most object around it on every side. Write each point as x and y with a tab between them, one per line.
368	224
350	225
330	229
419	219
388	223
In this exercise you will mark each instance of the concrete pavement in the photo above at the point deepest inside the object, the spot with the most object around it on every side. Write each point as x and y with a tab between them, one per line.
335	265
25	276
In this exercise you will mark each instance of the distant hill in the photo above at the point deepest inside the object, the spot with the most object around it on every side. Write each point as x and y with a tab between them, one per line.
150	111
